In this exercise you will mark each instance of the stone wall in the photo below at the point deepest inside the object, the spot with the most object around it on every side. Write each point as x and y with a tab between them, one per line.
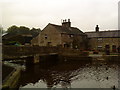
12	79
49	37
27	50
34	41
100	43
66	39
16	52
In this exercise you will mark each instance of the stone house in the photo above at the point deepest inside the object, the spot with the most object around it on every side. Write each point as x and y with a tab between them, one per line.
101	40
61	35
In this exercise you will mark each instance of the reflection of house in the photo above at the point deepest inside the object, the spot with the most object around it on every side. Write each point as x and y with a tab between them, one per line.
65	36
100	40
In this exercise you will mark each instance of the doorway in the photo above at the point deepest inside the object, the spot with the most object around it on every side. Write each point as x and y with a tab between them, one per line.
107	49
114	48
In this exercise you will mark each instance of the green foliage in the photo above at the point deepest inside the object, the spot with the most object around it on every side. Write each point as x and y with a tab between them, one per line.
80	42
76	42
20	34
13	30
35	32
23	30
12	43
18	30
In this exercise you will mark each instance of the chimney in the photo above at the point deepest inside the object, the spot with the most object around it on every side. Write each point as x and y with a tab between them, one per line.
97	28
66	23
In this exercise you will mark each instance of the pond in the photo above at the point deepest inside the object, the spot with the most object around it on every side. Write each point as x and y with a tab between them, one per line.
70	74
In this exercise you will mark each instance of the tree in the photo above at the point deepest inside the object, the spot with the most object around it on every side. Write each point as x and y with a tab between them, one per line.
76	42
18	30
13	30
24	30
35	32
80	42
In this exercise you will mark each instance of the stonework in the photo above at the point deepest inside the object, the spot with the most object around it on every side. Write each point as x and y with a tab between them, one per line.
49	37
63	36
100	43
99	40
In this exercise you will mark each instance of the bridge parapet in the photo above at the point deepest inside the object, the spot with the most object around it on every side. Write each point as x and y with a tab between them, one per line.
27	50
15	51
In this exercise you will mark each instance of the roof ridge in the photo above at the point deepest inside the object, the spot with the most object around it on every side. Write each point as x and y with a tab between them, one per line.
61	25
102	31
69	30
54	24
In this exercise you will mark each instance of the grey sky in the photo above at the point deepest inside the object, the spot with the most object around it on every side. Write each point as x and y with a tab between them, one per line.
84	14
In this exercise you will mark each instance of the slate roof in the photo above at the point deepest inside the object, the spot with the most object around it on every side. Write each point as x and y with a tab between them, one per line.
104	34
69	30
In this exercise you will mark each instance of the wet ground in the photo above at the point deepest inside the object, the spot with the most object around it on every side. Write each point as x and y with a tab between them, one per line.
71	74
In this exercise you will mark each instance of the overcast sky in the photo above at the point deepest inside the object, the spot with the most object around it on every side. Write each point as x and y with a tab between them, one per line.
84	14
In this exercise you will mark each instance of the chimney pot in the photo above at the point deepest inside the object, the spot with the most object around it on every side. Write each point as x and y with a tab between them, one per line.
66	23
65	20
68	20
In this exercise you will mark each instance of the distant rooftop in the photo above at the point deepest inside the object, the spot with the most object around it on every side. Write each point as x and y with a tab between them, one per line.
109	33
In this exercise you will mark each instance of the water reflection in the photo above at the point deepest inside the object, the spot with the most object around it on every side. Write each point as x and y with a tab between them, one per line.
70	74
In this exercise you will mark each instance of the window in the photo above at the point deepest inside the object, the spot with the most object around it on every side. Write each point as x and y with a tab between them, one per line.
49	43
71	35
100	39
45	36
114	48
99	46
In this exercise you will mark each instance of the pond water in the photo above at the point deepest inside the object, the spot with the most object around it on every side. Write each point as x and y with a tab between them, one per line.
70	74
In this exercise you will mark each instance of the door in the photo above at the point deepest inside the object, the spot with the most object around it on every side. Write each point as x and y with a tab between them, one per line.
49	44
114	48
107	49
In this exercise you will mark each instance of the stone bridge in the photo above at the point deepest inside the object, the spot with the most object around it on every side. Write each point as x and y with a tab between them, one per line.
34	52
31	50
22	52
27	50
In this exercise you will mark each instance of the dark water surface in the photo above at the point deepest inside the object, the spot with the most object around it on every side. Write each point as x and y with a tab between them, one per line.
70	74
